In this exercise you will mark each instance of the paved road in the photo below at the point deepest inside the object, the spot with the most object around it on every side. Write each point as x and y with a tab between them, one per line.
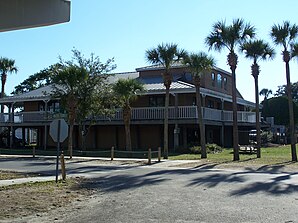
163	194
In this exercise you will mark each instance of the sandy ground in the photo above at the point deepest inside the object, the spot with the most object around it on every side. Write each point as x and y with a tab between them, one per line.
18	201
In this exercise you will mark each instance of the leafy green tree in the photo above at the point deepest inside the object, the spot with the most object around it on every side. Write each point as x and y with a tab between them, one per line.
37	80
198	64
165	55
126	92
81	85
282	91
230	38
266	93
285	36
257	50
279	109
6	66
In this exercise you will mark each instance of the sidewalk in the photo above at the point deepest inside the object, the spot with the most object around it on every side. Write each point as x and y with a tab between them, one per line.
4	183
89	162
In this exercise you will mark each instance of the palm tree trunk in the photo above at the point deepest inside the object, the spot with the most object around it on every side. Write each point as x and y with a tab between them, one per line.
126	118
255	71
201	123
232	61
70	140
258	128
3	81
166	123
291	114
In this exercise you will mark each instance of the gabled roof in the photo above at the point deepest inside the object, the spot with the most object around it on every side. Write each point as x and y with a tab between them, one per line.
124	75
175	65
152	85
42	93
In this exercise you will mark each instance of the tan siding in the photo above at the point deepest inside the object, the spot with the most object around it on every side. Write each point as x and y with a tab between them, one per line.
31	106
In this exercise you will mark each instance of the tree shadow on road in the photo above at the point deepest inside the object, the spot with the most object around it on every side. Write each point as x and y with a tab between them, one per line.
121	182
276	184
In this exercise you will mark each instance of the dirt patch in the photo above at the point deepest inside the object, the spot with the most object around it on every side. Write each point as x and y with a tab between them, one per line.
35	198
9	175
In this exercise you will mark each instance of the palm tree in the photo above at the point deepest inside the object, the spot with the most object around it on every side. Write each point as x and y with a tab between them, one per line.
285	36
294	50
230	37
198	64
257	50
67	83
165	55
126	92
6	66
265	92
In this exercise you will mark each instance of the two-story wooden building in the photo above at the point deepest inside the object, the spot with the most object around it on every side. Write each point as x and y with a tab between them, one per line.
147	113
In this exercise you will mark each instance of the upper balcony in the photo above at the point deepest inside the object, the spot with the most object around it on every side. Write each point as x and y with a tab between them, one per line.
138	114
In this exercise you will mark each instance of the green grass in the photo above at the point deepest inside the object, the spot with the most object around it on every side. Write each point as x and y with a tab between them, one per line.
269	156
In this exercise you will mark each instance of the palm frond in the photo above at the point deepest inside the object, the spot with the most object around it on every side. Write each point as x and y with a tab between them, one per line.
165	55
198	63
284	34
7	66
223	36
257	49
294	50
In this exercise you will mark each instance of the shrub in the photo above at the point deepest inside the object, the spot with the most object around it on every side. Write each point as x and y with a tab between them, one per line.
195	150
211	148
266	137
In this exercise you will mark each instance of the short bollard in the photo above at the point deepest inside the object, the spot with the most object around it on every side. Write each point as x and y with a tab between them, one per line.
149	156
33	151
63	172
112	153
159	154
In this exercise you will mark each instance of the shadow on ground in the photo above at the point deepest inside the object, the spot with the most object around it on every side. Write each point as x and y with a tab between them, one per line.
121	182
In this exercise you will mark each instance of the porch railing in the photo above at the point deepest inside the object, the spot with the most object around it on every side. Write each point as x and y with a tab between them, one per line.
145	113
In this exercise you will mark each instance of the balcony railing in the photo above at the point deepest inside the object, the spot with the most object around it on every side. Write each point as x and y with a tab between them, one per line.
145	113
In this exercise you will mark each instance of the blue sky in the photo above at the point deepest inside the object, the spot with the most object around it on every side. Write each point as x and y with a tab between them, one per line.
126	29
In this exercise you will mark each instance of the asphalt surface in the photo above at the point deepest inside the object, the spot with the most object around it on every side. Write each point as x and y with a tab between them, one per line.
158	193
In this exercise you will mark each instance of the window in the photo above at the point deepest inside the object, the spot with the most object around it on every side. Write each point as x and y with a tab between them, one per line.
53	106
210	104
156	101
213	79
219	81
225	80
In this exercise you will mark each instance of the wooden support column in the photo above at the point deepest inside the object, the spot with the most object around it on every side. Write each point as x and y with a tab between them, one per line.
117	138
23	136
222	137
95	136
184	137
138	136
11	130
176	129
28	135
46	126
222	131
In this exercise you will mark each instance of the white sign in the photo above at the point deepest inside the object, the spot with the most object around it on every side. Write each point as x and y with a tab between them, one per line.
54	127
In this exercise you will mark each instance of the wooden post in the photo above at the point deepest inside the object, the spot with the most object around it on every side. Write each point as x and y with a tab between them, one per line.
63	172
159	154
33	151
149	156
112	153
